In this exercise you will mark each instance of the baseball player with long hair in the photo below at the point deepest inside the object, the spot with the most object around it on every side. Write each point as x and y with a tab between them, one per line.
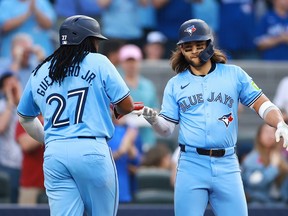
73	89
203	99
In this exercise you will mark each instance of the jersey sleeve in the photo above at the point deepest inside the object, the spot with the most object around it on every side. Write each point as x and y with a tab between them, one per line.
114	85
249	91
27	107
170	108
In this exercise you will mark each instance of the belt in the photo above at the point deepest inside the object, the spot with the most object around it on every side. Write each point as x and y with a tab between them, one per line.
86	137
210	152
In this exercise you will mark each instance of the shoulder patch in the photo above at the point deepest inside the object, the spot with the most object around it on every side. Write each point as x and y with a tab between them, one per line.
255	86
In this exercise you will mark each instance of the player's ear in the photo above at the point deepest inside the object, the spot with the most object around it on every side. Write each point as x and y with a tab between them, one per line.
180	47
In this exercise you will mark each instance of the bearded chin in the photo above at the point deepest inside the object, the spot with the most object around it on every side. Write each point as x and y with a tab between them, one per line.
193	64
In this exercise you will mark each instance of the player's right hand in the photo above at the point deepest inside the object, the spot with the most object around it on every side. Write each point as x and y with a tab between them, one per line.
137	106
150	115
282	131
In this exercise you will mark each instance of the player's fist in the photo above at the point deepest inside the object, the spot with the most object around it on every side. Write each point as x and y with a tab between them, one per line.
150	115
282	131
138	106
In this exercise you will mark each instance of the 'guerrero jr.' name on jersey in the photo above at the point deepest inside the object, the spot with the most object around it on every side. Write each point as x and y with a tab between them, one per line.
71	71
198	98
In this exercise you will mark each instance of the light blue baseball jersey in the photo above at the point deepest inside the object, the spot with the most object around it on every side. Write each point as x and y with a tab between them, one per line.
76	107
206	107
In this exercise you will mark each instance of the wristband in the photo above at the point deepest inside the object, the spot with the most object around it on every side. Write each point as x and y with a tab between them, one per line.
265	108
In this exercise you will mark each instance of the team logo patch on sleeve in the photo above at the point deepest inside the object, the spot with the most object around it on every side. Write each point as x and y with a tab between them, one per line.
255	86
226	119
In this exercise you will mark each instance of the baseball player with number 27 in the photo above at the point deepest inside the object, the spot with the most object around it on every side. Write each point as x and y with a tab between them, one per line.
73	89
203	99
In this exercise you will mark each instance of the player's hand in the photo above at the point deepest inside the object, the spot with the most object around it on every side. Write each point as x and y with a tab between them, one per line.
150	115
282	131
137	106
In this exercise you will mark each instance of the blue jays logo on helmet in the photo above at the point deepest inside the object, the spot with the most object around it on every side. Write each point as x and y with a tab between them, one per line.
226	119
190	30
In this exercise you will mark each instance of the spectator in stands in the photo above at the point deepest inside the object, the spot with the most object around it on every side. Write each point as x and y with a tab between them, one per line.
120	20
10	152
240	13
158	156
207	10
170	14
127	157
261	7
281	96
111	50
141	89
32	177
272	32
264	170
34	17
147	15
75	7
154	48
25	57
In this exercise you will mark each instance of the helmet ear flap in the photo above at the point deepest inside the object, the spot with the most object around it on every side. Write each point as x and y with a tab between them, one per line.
207	53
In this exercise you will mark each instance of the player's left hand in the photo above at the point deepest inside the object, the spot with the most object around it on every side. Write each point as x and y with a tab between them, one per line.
282	131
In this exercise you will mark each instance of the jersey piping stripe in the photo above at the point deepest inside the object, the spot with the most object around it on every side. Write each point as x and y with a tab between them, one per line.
25	116
122	98
169	119
258	96
116	186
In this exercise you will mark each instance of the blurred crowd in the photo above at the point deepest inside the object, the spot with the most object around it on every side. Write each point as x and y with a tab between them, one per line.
138	30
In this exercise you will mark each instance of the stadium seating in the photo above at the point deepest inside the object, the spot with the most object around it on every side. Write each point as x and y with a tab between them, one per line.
153	186
4	188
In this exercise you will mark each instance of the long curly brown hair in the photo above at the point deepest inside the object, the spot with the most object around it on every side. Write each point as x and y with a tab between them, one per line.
179	63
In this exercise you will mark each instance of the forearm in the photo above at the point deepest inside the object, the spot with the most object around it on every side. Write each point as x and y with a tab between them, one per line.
270	42
273	117
159	124
27	143
163	127
33	127
42	20
14	23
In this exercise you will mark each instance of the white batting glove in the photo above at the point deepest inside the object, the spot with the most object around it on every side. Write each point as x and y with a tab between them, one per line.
150	115
282	131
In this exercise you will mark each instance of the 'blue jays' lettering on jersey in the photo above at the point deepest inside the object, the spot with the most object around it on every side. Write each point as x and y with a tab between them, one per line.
85	88
207	106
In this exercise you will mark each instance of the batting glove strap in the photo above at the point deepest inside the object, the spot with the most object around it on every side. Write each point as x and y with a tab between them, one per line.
282	131
150	115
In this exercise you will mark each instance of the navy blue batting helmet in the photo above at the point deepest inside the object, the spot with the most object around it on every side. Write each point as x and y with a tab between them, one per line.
194	30
197	30
76	28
